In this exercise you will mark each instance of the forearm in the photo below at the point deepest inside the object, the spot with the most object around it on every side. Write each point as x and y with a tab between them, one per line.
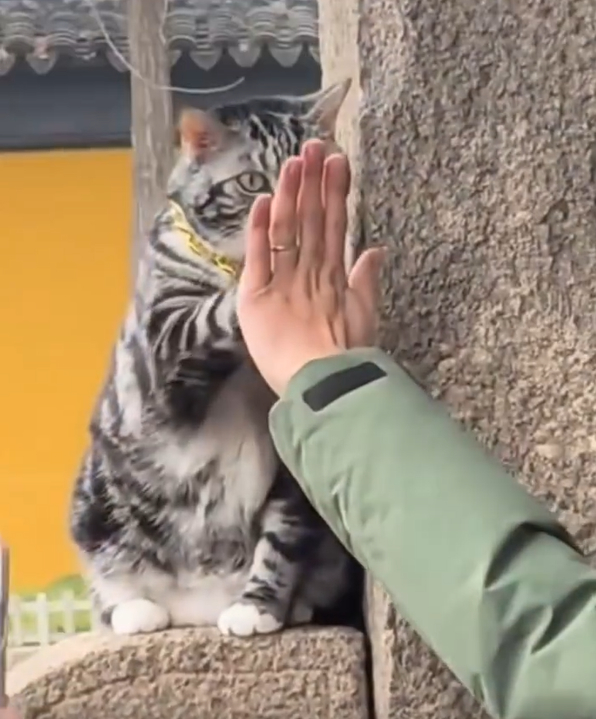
481	570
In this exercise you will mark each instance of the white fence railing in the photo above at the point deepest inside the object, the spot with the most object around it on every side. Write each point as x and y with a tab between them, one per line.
45	620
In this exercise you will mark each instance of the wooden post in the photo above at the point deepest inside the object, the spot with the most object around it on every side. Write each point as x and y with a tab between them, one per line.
152	123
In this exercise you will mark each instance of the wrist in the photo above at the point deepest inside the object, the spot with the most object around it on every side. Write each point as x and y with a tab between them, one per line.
322	367
301	360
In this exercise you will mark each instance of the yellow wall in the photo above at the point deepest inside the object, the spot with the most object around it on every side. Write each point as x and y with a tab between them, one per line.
65	228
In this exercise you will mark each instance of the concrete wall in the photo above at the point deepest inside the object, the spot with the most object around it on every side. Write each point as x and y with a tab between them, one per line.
471	129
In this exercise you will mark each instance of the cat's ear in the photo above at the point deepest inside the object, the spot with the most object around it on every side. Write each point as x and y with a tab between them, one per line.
324	106
200	133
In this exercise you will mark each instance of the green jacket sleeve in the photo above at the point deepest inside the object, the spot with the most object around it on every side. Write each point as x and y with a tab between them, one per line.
481	570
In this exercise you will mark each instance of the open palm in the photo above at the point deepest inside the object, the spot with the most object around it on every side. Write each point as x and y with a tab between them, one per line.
295	302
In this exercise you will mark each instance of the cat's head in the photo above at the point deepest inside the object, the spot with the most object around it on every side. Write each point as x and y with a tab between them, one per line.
230	155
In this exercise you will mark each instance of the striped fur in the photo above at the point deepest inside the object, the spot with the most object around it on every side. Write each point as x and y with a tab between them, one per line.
182	512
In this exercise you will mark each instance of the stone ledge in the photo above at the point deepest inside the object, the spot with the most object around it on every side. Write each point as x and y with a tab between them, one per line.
190	673
16	655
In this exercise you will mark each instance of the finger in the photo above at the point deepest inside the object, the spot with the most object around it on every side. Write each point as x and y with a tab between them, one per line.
256	273
311	218
365	275
336	187
283	227
9	712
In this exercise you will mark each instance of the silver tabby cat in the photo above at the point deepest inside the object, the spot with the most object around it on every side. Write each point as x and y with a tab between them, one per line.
182	512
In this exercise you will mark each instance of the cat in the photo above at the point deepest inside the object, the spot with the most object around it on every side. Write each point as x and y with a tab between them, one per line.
182	513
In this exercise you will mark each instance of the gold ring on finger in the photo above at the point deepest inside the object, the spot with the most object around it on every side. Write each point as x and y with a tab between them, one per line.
283	248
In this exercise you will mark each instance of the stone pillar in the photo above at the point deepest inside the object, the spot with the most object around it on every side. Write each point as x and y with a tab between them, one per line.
476	156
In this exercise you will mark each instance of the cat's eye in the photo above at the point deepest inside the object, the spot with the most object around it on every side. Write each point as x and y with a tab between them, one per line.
253	183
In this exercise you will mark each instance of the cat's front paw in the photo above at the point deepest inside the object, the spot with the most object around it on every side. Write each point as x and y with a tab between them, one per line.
139	616
245	620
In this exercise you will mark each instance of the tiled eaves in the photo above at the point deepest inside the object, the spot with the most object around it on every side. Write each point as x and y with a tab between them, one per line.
43	30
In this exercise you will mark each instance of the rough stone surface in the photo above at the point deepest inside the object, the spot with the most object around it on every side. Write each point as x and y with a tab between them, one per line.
476	155
195	674
341	42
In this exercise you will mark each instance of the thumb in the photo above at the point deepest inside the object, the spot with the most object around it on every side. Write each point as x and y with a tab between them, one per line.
256	273
364	276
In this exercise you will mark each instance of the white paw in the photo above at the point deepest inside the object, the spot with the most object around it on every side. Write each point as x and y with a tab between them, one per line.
244	620
139	616
301	613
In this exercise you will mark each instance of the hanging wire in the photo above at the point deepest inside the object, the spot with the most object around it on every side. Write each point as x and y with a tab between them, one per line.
134	71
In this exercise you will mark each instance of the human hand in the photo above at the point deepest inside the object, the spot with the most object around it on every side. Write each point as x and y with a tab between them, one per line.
295	302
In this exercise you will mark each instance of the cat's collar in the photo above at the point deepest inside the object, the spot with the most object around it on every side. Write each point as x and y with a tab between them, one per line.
200	246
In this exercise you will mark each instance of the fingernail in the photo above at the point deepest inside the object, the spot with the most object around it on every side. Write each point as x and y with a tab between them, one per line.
297	167
292	170
337	161
313	150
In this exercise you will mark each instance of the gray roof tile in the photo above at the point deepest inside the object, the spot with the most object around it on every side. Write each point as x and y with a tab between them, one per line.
42	30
